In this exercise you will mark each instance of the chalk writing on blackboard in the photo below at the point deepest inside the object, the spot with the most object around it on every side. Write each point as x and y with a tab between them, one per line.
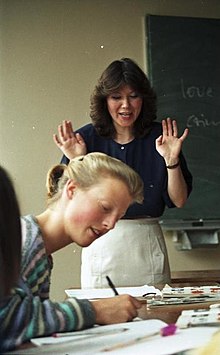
183	56
190	92
195	121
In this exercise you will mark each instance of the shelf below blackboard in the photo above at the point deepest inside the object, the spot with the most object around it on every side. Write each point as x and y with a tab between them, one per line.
190	225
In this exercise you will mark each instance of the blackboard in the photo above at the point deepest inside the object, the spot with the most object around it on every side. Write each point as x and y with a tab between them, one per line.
183	58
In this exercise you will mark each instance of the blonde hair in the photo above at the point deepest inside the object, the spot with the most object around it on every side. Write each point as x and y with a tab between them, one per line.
88	170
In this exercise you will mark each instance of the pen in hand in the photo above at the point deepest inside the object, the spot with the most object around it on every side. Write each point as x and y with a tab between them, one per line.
112	286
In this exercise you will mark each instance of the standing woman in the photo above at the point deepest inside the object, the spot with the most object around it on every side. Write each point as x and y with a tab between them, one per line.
123	111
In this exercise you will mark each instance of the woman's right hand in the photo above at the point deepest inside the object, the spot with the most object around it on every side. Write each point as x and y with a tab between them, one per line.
71	144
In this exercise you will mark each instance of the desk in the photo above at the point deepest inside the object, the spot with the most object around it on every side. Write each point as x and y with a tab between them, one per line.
168	314
196	276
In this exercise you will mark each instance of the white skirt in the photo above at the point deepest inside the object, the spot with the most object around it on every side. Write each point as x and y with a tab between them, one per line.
132	254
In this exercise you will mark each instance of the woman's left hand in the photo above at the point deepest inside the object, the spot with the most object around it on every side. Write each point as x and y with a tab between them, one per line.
169	144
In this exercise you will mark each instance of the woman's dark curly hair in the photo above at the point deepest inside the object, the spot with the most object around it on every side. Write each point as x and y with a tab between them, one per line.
117	74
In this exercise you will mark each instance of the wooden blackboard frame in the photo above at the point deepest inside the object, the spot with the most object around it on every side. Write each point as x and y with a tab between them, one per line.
183	60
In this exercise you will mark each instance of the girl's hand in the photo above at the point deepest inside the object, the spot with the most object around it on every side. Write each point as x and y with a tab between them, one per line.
71	144
118	309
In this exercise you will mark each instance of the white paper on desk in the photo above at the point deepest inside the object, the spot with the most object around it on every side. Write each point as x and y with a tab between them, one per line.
92	293
97	342
50	340
81	334
184	339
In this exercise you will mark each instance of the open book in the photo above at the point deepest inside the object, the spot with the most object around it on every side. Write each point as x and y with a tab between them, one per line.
192	291
186	295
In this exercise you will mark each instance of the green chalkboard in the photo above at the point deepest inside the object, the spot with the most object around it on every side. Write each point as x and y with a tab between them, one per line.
183	57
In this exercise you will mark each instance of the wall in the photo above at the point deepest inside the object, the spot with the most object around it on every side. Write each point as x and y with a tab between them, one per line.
51	54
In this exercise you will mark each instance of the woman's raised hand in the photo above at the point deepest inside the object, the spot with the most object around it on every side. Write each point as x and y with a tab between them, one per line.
71	144
169	144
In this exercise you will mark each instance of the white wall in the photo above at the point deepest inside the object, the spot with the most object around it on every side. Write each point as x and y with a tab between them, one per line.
51	54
